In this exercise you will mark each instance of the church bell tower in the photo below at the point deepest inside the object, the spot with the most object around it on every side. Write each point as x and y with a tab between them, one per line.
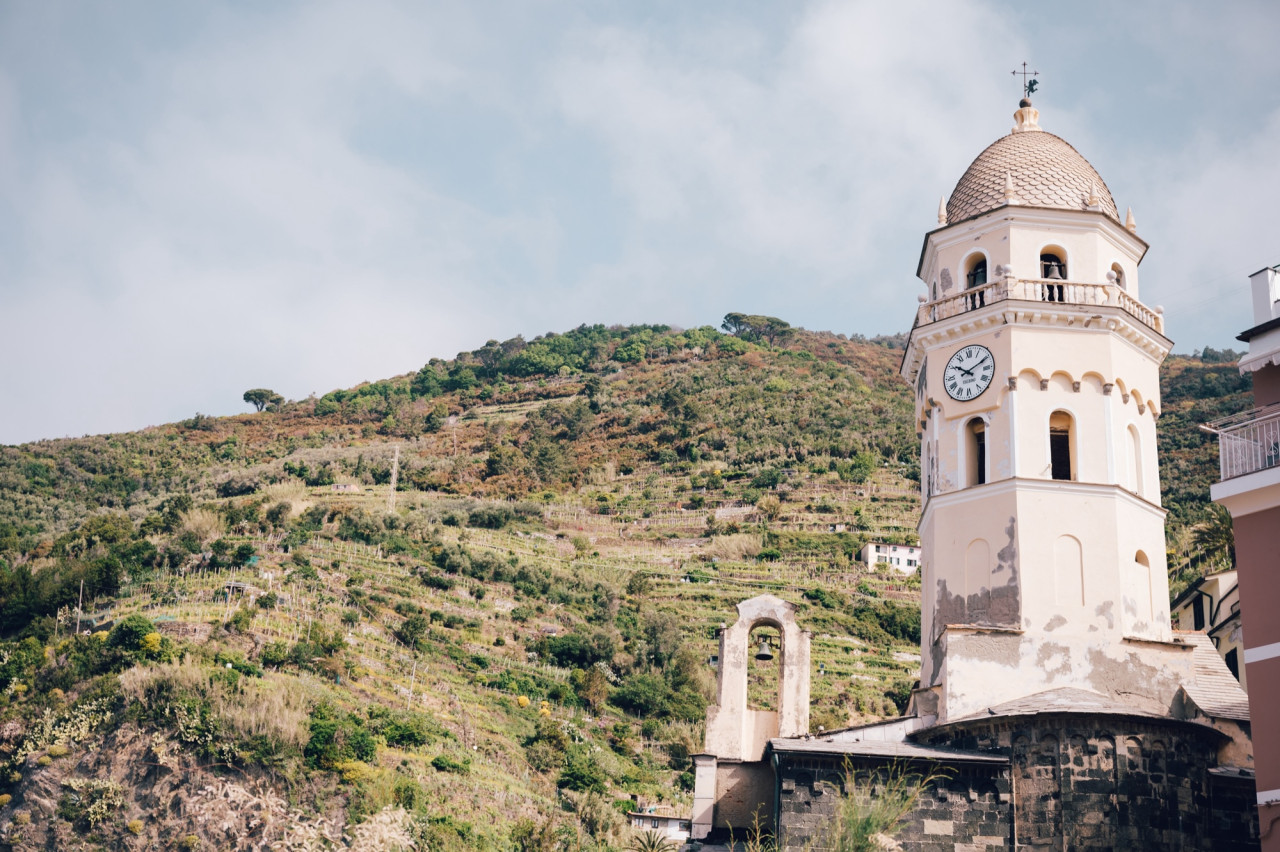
1035	367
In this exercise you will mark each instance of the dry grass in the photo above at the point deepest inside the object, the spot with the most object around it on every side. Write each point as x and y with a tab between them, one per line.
297	495
735	547
205	523
273	706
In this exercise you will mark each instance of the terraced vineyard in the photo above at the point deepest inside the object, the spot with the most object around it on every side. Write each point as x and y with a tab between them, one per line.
475	606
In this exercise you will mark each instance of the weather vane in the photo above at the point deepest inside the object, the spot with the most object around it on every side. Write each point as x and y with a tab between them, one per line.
1028	86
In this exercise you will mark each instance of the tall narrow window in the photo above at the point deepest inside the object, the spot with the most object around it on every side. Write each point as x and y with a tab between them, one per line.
977	461
1061	461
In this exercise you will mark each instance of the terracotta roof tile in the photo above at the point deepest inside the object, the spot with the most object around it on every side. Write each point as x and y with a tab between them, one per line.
1046	170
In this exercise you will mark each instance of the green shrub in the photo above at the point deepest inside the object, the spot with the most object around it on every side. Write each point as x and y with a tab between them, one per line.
337	736
581	773
128	634
444	763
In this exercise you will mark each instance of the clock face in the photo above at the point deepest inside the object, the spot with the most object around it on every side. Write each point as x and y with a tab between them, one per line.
969	372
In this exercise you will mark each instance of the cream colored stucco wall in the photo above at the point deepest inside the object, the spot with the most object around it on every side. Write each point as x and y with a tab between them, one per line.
1014	237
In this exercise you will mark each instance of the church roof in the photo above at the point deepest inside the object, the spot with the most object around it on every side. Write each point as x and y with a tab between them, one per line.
896	750
1065	699
1030	167
1215	690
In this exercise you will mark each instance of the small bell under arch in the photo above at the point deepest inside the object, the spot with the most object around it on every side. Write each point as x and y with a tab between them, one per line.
764	653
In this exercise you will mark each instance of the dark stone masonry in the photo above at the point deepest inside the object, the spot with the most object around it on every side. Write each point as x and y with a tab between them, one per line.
1065	782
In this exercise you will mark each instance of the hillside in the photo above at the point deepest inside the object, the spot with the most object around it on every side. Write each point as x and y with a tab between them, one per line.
508	645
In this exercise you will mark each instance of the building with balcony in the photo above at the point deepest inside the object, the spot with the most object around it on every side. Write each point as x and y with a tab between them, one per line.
1249	458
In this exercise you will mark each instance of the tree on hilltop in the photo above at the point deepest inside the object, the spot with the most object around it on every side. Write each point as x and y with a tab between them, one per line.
757	327
262	397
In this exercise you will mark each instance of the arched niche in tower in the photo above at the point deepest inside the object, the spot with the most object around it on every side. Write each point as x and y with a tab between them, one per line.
977	581
1135	590
1068	572
1134	444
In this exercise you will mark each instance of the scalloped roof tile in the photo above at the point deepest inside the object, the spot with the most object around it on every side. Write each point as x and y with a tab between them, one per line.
1046	170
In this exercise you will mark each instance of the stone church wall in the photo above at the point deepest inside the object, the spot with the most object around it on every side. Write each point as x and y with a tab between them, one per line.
968	811
1089	782
1074	782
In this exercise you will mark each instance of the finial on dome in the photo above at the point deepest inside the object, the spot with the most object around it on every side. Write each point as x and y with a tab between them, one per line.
1010	194
1093	201
942	211
1130	224
1027	116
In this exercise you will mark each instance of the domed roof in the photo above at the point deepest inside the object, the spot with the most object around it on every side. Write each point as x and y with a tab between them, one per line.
1045	172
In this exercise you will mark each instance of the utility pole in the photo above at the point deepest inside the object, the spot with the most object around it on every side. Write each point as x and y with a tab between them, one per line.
80	607
412	675
395	477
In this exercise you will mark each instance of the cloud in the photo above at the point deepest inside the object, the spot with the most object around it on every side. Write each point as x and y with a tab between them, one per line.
199	199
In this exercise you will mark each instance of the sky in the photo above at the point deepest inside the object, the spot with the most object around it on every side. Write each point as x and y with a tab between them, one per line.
197	199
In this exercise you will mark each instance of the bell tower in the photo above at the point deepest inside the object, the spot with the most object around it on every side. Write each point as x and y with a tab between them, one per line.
1035	368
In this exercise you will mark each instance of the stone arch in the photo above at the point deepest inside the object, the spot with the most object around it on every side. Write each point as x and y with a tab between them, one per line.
734	731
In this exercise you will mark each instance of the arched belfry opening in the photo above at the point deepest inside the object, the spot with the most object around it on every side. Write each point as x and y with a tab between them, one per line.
764	667
975	276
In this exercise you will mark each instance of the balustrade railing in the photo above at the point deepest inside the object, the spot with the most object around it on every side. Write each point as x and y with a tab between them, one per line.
1248	442
1047	290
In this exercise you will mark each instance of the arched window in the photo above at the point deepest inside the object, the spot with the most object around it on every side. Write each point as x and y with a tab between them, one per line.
1062	440
1053	268
976	443
976	276
1118	272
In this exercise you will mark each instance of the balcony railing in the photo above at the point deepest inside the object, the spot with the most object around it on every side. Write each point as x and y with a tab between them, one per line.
1248	442
1047	290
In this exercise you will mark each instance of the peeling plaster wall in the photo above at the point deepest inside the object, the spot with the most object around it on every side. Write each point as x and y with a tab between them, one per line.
984	668
744	792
